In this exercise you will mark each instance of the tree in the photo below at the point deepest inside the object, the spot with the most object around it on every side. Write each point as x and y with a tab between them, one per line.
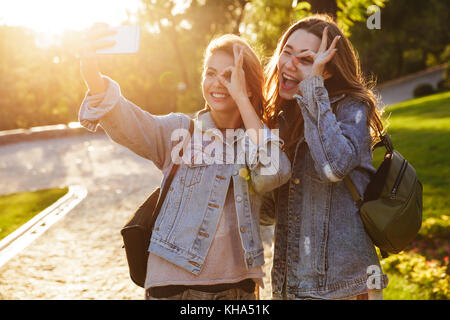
413	36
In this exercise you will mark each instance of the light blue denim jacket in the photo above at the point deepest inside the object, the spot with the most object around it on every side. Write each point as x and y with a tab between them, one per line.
190	213
321	248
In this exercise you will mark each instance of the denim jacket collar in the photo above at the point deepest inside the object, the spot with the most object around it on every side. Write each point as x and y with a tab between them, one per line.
282	121
205	122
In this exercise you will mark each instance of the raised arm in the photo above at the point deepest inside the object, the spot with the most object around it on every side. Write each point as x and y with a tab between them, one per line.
143	133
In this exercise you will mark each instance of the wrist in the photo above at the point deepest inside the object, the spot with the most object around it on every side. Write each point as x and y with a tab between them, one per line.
241	99
318	71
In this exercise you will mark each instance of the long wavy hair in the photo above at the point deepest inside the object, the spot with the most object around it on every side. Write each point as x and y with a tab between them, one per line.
253	69
345	68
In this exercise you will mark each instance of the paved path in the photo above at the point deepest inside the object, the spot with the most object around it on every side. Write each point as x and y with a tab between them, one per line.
81	256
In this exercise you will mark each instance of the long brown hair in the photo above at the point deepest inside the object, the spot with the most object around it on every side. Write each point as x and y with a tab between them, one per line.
254	72
345	68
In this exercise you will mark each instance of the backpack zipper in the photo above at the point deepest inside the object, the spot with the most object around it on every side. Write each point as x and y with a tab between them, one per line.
399	179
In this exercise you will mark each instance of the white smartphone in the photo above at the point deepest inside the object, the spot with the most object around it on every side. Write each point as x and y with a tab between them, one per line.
127	40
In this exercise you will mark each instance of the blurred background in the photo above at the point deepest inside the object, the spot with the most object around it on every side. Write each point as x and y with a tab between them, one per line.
40	85
40	82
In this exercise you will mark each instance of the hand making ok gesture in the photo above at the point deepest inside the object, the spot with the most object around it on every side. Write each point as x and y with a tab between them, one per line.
321	57
233	77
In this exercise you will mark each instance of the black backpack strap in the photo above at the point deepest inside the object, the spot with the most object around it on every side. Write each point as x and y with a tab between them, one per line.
385	141
170	177
353	191
359	202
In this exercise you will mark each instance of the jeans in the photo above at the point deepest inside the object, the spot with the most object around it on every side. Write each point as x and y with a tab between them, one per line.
190	294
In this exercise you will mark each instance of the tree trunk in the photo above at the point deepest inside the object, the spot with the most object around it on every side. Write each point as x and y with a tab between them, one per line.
242	4
179	56
324	6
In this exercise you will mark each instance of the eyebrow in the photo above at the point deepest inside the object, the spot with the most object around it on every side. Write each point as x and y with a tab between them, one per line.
292	48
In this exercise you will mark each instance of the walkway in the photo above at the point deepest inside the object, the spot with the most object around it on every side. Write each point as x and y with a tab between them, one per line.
81	256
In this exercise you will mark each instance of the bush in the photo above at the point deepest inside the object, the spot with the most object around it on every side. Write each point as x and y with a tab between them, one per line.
433	240
423	89
436	228
430	276
443	85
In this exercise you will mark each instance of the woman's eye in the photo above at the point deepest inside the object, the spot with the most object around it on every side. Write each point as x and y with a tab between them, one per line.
210	74
286	53
306	60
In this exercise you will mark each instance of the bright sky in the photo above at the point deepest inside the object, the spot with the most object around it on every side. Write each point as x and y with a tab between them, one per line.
53	16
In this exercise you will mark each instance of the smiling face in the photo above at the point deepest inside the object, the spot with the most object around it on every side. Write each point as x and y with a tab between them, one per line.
292	70
214	92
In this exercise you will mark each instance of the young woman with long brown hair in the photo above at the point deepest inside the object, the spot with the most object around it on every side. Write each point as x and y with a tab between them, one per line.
328	118
206	242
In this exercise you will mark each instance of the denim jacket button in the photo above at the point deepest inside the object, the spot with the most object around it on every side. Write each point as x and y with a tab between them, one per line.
250	261
243	229
296	180
238	198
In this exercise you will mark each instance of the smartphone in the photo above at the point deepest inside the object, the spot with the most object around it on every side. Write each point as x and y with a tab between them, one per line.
127	40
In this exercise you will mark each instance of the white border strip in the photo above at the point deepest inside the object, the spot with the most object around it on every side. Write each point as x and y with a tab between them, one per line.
35	227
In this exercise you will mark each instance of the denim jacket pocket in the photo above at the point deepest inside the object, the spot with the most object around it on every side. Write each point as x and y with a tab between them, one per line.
320	201
166	217
194	174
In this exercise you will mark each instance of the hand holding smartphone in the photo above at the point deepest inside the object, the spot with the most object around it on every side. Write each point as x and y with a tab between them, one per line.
126	40
103	39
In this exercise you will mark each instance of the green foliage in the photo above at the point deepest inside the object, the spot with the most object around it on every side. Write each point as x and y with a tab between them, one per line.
419	129
429	276
413	36
267	20
436	227
41	85
351	12
16	209
423	89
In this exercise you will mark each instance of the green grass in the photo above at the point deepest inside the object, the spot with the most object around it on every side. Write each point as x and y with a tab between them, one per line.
402	289
18	208
420	131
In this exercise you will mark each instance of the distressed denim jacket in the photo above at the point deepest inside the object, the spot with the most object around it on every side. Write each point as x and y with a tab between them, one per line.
188	219
321	248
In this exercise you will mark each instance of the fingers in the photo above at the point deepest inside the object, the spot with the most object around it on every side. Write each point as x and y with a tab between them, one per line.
224	82
99	33
102	44
89	49
238	53
329	54
307	53
334	43
94	40
323	44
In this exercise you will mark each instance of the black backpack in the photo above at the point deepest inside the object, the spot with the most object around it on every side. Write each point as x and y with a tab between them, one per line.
137	232
391	209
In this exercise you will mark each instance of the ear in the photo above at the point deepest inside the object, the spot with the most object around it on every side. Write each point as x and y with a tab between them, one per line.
327	74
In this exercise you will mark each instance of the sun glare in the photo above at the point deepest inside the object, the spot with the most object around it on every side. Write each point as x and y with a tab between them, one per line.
52	17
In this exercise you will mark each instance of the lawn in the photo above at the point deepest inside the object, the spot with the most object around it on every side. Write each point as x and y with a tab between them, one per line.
18	208
420	131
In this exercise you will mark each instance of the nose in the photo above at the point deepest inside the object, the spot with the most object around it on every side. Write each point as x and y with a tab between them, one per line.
292	63
217	84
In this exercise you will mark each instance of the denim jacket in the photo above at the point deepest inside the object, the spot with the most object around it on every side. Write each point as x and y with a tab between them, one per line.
321	248
187	222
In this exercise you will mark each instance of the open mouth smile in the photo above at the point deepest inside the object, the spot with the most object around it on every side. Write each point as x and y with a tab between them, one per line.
288	82
219	96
